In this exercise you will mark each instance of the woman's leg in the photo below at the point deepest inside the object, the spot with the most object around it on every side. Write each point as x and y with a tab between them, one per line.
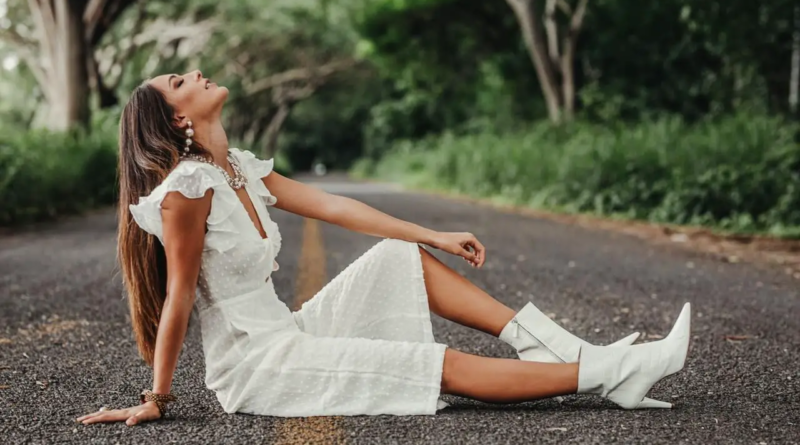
503	380
455	298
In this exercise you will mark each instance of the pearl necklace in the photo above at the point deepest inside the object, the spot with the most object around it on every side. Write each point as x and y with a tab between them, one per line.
239	179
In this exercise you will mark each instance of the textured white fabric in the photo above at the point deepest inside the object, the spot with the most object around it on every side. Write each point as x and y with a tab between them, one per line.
362	345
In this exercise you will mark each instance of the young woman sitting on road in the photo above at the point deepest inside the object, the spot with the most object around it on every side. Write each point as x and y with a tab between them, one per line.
195	237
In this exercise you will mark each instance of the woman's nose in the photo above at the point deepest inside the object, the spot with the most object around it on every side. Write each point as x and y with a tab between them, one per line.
198	75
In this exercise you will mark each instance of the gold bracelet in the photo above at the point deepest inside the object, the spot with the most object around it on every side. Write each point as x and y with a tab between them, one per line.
160	400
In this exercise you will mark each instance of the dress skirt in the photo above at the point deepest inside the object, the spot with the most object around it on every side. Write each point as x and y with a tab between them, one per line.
363	345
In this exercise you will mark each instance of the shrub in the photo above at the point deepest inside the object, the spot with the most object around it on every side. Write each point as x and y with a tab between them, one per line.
739	172
44	174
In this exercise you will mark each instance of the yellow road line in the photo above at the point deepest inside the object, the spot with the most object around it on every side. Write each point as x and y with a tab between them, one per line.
311	277
311	274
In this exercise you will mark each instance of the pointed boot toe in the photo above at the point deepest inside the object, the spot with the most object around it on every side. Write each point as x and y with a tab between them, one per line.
625	374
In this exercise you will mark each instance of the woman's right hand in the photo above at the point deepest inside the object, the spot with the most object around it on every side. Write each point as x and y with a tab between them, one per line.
131	416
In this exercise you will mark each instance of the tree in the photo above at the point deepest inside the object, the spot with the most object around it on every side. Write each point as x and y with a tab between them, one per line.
794	77
289	88
73	47
552	50
275	56
58	50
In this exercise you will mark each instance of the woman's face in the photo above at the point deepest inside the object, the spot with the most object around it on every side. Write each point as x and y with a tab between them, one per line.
191	95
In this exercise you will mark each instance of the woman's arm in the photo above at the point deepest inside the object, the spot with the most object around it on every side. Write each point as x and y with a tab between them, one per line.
183	225
311	202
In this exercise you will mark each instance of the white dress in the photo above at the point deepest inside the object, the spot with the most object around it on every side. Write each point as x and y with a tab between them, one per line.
362	345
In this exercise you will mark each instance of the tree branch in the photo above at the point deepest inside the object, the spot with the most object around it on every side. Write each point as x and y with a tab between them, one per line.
577	19
525	11
299	74
11	36
99	15
551	28
93	11
127	52
565	7
166	31
26	51
274	129
567	61
44	27
282	95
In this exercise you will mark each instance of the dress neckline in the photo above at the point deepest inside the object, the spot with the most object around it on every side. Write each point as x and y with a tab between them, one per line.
256	200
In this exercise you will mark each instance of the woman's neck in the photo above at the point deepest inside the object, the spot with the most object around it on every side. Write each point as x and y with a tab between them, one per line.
213	138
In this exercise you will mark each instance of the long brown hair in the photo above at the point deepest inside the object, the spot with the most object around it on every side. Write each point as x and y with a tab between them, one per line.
150	144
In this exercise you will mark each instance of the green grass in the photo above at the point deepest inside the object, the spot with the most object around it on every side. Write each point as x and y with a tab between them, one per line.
739	173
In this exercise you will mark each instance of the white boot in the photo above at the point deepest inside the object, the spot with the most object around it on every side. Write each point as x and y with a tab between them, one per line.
537	338
625	374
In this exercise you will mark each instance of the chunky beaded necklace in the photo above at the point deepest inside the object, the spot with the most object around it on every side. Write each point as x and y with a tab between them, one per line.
239	179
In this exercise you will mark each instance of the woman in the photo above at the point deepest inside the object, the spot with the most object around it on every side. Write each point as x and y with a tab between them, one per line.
194	233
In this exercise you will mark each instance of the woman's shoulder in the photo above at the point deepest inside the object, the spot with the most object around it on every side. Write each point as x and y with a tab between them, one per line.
189	178
192	178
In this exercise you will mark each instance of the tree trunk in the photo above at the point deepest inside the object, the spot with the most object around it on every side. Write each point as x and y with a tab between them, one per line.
259	128
794	76
61	56
551	29
63	50
538	52
106	96
568	83
274	129
568	59
71	99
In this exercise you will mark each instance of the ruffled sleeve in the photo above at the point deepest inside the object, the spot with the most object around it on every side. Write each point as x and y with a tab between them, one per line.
192	179
255	169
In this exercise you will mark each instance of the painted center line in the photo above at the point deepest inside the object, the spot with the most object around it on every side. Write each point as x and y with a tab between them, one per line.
311	277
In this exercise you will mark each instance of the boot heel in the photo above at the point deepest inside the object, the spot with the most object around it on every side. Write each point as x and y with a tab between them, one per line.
624	375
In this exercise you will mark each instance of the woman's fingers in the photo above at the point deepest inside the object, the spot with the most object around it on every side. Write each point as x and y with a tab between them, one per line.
134	419
481	252
469	256
473	251
107	416
131	416
81	418
102	417
87	416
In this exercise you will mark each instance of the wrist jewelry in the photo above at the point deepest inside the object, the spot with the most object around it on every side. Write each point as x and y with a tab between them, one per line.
160	400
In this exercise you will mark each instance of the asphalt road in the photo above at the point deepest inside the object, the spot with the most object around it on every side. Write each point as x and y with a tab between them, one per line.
66	347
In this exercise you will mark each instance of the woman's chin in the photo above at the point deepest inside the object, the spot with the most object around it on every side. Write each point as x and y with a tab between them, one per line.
220	95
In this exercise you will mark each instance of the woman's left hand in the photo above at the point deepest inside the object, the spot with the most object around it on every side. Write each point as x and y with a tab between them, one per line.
460	243
131	416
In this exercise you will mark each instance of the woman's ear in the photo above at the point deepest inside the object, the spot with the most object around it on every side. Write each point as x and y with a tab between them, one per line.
180	121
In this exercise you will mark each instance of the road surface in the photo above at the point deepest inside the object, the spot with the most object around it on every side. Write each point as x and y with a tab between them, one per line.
66	346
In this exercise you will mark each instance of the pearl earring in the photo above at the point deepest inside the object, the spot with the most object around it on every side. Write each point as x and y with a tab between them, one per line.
189	134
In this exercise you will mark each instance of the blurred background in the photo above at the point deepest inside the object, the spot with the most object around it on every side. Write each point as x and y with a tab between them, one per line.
673	111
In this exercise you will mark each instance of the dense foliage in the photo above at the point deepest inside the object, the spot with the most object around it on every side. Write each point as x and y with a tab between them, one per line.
683	109
738	173
45	173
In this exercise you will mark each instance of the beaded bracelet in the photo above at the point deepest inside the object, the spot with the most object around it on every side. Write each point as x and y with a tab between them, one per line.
159	399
